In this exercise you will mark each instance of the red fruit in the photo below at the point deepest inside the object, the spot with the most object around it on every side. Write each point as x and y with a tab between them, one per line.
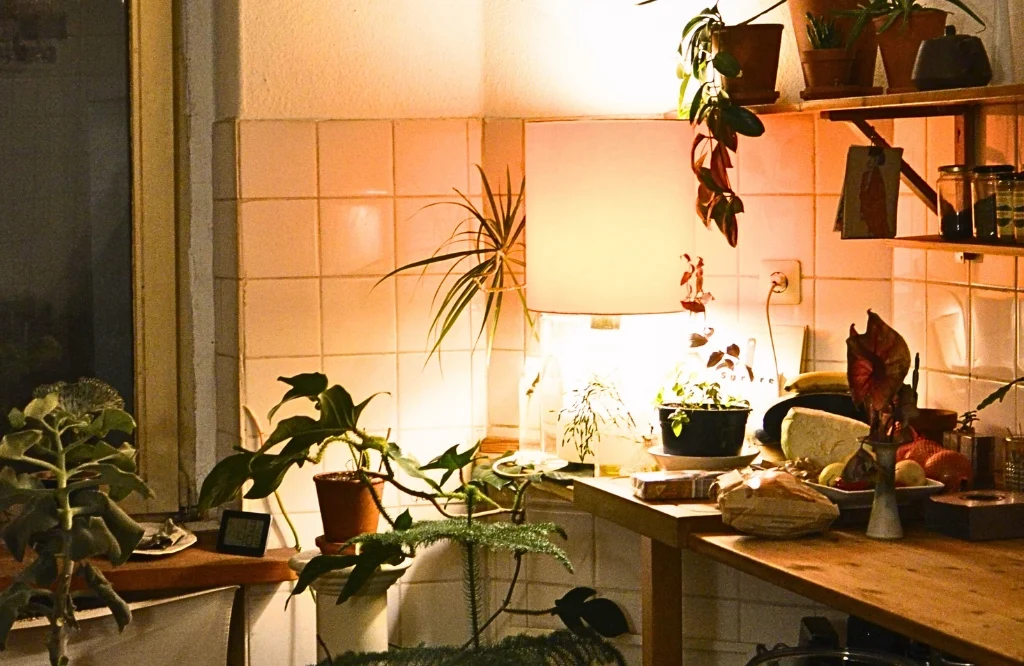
852	485
920	450
952	469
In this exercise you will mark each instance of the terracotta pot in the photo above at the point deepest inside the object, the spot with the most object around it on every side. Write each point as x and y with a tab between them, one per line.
826	68
756	47
346	507
900	43
865	49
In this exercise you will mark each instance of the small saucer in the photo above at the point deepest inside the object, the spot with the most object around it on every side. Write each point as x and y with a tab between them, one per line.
671	463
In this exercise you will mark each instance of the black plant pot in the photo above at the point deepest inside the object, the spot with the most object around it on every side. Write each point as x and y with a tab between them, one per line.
710	432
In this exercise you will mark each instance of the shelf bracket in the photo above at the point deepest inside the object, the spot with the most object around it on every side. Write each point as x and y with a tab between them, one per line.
964	148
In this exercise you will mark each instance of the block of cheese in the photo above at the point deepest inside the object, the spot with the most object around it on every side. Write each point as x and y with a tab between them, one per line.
823	437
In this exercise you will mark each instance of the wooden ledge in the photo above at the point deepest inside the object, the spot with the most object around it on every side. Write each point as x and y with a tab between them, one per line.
198	567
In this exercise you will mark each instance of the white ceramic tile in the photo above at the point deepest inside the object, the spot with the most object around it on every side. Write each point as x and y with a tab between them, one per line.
281	317
994	271
712	619
618	552
997	134
948	328
438	563
364	375
355	158
475	147
423	228
279	238
277	159
759	172
579	546
777	228
909	315
839	303
435	393
540	596
358	316
752	302
419	614
852	258
357	236
833	141
911	220
417	307
993	334
724	310
503	375
503	151
431	157
948	392
280	636
719	258
944	267
999	418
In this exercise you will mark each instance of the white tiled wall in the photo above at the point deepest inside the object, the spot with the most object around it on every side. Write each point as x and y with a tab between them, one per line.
316	212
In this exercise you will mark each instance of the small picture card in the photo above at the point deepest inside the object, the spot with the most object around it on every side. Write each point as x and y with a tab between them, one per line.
870	192
243	533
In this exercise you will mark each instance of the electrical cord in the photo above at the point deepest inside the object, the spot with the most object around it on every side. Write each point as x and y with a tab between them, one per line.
778	281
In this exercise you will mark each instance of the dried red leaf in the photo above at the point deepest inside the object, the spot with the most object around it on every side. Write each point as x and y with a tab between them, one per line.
693	306
733	350
697	340
877	363
715	358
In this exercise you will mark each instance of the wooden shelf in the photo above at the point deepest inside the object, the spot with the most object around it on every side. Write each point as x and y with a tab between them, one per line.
899	103
971	248
963	597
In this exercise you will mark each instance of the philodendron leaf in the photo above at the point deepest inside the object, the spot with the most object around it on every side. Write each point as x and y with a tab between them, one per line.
319	566
452	461
105	591
40	408
14	445
337	409
13	600
998	394
605	617
268	472
225	481
288	428
307	385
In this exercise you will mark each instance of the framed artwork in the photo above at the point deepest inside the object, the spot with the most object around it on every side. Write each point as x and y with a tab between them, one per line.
870	193
243	533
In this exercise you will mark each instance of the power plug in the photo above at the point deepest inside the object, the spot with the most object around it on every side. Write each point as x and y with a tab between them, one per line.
785	275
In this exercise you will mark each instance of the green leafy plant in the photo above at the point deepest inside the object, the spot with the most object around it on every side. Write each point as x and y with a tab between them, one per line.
58	468
893	10
485	252
594	406
823	33
444	482
722	121
695	301
697	396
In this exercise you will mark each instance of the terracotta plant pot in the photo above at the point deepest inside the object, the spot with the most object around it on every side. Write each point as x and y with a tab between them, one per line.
827	68
864	50
346	507
899	45
756	47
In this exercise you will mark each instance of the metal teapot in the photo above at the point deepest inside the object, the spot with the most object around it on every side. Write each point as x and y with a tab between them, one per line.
952	61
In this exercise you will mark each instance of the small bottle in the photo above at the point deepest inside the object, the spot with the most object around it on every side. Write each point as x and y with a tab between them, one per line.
954	193
1018	208
1004	208
984	180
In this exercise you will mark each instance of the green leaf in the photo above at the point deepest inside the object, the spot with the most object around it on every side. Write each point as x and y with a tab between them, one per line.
408	464
16	418
122	484
726	64
404	521
337	409
108	420
225	481
267	472
42	572
289	428
19	488
319	566
743	120
40	408
98	451
605	617
105	591
999	394
91	538
307	385
13	601
962	6
37	516
452	461
13	446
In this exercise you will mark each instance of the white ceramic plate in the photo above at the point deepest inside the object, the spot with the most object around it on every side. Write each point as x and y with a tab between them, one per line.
672	463
857	499
187	539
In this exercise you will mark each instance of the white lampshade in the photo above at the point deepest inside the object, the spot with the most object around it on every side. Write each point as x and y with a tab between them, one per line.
609	214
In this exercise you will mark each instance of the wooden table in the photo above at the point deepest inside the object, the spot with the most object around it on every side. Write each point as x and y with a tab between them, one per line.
965	598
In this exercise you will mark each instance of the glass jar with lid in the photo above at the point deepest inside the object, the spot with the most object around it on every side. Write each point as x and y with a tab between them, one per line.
1005	231
954	194
1018	208
984	180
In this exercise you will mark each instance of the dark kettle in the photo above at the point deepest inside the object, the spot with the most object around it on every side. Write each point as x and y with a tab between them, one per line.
952	61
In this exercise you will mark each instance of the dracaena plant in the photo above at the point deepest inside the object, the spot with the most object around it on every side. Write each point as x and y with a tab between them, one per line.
877	363
895	12
823	33
482	525
64	479
484	254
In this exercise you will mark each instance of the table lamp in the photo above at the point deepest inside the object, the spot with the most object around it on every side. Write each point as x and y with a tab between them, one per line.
610	212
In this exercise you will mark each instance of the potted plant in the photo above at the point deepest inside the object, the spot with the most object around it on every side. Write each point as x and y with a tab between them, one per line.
723	81
864	49
487	268
901	26
478	525
64	478
827	64
349	499
597	413
878	361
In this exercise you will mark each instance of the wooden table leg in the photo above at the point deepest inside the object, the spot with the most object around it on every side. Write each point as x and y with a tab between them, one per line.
661	588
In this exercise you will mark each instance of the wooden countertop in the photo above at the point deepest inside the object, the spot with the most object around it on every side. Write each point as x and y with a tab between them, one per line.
963	597
667	522
199	567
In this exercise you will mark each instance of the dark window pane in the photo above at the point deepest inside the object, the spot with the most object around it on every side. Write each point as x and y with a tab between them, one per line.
65	196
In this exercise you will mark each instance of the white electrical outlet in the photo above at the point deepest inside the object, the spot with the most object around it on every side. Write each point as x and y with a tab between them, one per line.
786	272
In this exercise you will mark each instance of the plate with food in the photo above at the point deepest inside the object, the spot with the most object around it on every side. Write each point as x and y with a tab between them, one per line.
164	538
850	483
